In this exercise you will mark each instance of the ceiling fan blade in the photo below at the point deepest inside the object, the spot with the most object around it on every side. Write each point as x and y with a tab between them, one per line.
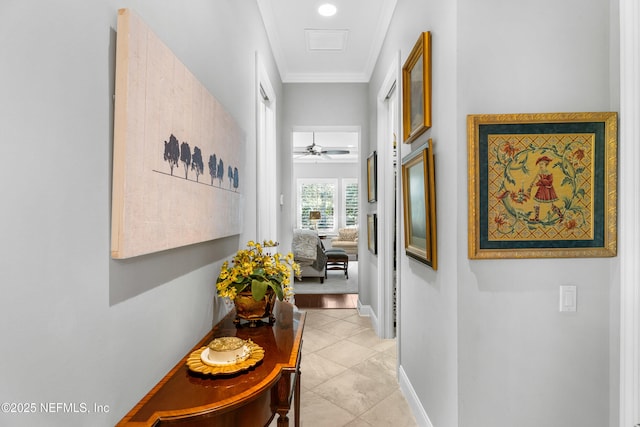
335	151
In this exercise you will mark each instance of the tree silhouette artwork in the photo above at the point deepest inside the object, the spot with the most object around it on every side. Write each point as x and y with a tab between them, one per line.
213	164
235	179
220	171
185	157
172	152
196	162
176	152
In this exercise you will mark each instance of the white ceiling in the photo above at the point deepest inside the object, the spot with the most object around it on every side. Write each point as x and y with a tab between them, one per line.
309	47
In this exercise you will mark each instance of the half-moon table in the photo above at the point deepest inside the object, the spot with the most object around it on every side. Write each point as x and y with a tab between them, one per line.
249	398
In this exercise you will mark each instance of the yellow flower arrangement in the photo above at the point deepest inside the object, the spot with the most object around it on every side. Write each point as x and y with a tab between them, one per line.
253	267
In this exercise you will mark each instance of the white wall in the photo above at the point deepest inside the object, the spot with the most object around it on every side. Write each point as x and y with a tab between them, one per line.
481	342
78	327
428	299
325	170
521	361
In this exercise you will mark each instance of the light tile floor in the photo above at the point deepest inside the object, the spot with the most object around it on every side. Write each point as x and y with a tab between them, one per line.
348	374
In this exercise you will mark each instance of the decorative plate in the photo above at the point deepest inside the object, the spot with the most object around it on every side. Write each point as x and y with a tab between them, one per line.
196	363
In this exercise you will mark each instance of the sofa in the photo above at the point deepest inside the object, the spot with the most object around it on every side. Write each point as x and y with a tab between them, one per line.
347	239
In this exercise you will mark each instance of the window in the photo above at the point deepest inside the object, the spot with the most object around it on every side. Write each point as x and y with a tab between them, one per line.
350	201
317	195
321	194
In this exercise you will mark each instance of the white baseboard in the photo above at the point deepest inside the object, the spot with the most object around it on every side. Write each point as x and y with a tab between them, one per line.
364	310
367	311
412	399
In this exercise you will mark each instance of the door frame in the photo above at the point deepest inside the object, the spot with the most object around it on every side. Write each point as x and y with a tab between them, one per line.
266	156
387	324
629	238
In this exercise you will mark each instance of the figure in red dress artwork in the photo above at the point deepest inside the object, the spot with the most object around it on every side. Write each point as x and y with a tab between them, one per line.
545	192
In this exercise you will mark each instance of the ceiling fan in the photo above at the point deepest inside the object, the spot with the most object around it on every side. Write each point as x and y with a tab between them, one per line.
316	150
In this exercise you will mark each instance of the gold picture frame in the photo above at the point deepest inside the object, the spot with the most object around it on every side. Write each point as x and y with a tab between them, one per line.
542	185
372	181
372	233
419	202
416	89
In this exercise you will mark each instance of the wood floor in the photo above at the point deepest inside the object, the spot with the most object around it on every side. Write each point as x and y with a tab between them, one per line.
327	300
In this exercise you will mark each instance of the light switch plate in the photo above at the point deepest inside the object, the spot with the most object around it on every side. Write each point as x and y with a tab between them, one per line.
568	298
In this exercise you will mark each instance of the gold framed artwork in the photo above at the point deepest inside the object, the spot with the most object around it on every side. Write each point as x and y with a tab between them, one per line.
542	185
416	90
419	202
177	155
372	184
372	233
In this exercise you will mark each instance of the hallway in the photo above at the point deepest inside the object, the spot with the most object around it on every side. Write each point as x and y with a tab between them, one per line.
348	374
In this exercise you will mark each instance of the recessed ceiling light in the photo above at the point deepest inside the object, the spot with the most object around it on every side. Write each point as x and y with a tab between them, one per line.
327	9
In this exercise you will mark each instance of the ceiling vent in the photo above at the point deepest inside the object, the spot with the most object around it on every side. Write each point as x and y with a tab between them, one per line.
326	40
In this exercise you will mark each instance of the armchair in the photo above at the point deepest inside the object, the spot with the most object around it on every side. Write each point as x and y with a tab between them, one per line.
308	252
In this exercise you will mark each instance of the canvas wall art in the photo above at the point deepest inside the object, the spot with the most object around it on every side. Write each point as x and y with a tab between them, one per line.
178	155
542	185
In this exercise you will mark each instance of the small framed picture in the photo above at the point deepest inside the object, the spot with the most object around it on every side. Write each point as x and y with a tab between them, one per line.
416	90
372	185
419	197
372	233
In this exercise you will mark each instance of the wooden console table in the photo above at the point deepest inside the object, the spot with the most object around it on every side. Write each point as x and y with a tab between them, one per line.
246	399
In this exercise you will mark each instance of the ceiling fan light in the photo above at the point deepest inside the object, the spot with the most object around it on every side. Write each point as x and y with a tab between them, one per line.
327	9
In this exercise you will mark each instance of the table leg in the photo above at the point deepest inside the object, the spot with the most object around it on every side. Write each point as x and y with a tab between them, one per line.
283	421
296	404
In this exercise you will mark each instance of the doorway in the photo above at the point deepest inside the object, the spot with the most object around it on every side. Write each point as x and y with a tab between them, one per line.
325	188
